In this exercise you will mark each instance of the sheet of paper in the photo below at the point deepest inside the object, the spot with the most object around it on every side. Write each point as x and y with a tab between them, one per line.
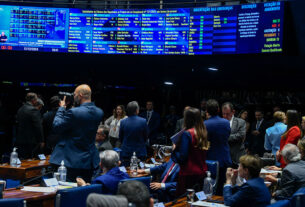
39	189
264	171
123	169
201	196
50	182
67	184
207	204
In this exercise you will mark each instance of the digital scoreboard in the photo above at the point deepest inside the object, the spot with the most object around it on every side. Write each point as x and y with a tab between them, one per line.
240	29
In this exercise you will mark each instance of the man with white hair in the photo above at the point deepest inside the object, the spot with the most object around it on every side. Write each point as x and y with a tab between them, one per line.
111	176
293	174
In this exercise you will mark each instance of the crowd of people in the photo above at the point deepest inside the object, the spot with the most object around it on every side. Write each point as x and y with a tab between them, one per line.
81	138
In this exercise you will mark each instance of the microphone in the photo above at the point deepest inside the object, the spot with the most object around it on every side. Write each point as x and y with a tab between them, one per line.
35	178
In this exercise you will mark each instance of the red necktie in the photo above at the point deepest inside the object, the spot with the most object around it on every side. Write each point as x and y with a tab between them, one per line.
167	174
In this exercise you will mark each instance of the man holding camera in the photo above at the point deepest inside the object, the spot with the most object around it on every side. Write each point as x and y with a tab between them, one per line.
76	128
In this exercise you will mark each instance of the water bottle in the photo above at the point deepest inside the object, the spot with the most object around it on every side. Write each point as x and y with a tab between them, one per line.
208	186
14	158
62	170
134	164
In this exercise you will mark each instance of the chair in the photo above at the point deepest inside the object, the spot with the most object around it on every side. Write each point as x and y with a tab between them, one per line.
12	202
145	180
281	203
298	198
76	197
213	167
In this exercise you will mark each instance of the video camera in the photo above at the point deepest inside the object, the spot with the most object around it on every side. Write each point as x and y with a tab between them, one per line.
69	98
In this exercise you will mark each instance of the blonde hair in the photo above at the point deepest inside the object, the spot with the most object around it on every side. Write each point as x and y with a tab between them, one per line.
279	116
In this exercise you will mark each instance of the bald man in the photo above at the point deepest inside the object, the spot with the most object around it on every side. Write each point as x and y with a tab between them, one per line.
76	128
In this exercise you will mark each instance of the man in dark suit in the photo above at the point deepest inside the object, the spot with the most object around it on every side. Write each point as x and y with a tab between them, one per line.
101	139
166	188
133	134
77	128
293	174
257	138
152	120
47	123
238	133
29	128
218	135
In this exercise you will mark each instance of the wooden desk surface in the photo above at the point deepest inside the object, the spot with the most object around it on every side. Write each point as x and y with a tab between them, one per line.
183	203
27	169
33	199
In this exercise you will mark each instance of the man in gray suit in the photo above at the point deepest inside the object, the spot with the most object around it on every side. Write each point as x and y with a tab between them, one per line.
293	174
238	133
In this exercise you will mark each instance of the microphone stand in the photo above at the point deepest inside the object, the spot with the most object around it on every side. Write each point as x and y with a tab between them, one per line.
33	179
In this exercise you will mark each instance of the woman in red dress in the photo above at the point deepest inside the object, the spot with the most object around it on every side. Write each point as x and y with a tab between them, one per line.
292	134
190	152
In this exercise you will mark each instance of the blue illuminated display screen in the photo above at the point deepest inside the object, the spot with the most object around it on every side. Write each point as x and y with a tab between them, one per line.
240	29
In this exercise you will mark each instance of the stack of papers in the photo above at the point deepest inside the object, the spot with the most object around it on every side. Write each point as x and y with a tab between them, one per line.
207	204
39	189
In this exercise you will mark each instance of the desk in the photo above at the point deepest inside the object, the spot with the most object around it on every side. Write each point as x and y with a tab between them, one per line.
33	199
27	169
183	203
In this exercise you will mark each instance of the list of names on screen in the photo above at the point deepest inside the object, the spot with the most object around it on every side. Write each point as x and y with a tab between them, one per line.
240	29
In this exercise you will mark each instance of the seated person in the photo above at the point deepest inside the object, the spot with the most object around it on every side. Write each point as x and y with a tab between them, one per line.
165	189
253	192
293	174
111	173
101	139
130	192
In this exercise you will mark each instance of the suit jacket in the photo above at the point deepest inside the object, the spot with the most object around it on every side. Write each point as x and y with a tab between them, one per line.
77	128
292	179
51	139
98	200
253	193
256	142
29	129
106	145
133	136
236	139
168	193
110	180
153	124
171	181
179	125
218	135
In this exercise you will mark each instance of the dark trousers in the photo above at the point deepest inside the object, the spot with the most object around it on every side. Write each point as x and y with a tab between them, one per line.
26	151
221	180
189	182
115	142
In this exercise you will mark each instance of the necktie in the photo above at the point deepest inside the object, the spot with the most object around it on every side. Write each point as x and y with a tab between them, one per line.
167	174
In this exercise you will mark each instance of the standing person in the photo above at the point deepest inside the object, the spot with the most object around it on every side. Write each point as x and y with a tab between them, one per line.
29	128
152	120
274	133
257	137
113	123
218	134
47	123
133	134
190	152
292	134
77	128
238	132
243	114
